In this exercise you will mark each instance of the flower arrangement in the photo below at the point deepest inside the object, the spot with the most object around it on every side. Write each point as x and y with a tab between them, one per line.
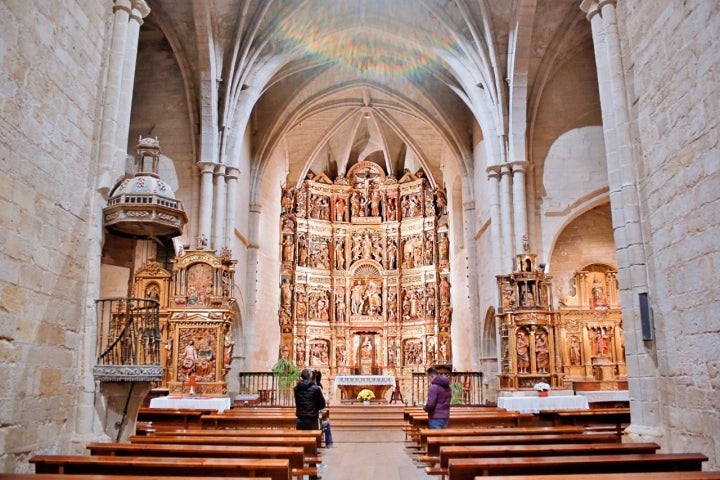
365	395
541	387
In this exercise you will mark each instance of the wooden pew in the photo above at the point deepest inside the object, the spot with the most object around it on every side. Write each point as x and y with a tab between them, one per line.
274	468
247	421
618	418
615	476
60	476
490	451
244	432
424	433
417	410
173	417
309	444
294	455
474	420
435	443
469	468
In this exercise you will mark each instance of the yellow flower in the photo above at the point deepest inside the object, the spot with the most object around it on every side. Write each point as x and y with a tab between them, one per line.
365	395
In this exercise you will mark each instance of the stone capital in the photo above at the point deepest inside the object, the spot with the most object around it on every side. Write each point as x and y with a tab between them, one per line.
493	171
123	5
232	173
140	10
520	166
206	167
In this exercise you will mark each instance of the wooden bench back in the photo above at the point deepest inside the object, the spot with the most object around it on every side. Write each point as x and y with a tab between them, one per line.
276	469
435	443
60	476
247	421
309	444
295	455
423	433
469	468
243	432
553	449
617	476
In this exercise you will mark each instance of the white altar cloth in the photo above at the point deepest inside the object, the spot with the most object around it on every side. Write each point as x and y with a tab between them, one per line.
364	380
535	404
218	403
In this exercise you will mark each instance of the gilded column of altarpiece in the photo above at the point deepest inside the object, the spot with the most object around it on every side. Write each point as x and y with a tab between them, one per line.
364	287
196	312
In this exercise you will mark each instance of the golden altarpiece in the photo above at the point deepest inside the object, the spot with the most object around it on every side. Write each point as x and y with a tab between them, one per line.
580	342
364	282
197	309
527	327
590	325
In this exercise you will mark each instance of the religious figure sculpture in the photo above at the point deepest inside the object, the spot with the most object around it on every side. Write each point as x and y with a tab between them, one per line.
523	353
575	351
288	249
601	343
598	294
542	353
444	291
366	349
189	358
285	293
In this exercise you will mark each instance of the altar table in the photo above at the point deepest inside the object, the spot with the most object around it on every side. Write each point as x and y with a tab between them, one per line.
350	385
218	403
535	404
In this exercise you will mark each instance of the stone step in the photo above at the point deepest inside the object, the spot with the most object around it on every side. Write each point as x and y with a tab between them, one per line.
366	417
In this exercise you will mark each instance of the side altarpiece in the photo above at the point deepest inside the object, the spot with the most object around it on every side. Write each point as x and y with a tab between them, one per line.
364	281
197	309
579	345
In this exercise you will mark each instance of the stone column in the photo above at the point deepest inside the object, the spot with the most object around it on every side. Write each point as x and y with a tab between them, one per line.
219	208
111	102
493	174
253	278
508	259
139	11
519	204
624	202
231	176
206	199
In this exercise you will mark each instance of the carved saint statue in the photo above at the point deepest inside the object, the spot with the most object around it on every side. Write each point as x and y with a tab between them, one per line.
523	353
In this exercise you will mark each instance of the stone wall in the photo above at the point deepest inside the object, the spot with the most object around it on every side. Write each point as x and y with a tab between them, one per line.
670	61
52	68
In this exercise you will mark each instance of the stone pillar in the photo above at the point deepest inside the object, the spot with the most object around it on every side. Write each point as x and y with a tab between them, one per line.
111	103
139	11
206	199
624	202
493	174
519	205
253	279
508	258
231	176
219	212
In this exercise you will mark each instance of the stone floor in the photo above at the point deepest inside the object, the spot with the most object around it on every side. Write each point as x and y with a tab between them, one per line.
370	455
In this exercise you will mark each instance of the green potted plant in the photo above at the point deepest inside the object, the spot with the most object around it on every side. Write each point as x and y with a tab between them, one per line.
456	391
286	373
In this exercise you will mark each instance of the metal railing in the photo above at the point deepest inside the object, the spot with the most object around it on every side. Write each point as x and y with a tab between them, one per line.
269	390
128	339
467	388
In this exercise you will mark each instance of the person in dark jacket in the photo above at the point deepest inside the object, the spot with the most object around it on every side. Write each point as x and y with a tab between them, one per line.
324	414
309	400
437	404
